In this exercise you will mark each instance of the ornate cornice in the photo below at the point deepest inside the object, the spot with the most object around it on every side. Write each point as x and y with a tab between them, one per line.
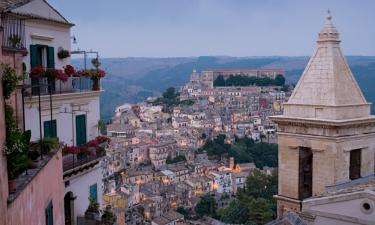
56	98
325	124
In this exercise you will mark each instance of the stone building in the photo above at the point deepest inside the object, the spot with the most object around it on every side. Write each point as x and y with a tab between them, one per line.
326	140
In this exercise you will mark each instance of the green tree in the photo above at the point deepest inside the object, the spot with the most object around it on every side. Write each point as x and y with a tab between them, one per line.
206	206
260	211
183	211
255	203
170	93
279	80
219	81
257	184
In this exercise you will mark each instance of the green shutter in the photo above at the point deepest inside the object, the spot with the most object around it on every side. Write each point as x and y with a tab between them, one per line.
50	128
94	192
34	63
80	129
33	55
50	57
51	63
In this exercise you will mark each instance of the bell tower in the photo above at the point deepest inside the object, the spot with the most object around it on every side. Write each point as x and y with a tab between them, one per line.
326	135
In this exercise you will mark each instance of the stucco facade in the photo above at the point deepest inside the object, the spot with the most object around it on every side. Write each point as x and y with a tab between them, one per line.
65	107
29	207
79	186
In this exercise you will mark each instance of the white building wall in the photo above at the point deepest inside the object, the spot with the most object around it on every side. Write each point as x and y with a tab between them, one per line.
54	35
81	103
80	187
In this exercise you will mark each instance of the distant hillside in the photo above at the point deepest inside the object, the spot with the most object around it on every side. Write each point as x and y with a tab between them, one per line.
134	79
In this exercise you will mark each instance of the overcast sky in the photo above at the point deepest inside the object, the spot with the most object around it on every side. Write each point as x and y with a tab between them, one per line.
169	28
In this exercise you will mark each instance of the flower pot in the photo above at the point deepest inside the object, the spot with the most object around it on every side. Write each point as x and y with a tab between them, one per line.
34	164
12	186
96	84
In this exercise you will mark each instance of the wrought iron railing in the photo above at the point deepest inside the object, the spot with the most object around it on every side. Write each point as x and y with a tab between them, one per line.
14	33
73	84
71	161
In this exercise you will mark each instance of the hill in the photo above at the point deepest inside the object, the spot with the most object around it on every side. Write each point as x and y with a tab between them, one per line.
134	79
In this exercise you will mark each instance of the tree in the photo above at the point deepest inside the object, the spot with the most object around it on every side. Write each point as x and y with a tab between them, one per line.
108	217
253	204
206	206
260	211
257	185
279	80
219	81
170	93
183	211
101	126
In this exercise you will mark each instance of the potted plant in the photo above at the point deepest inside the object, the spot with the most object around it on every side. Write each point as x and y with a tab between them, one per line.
92	212
15	40
63	53
96	75
49	144
108	217
16	150
34	157
9	80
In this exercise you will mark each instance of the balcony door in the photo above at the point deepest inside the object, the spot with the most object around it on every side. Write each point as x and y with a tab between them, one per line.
81	137
41	55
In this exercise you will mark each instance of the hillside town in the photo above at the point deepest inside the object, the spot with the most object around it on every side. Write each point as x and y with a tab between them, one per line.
231	146
154	163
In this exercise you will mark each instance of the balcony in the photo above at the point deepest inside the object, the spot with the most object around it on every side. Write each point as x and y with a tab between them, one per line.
73	85
76	161
13	34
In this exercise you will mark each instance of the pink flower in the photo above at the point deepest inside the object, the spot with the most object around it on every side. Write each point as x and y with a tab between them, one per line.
61	75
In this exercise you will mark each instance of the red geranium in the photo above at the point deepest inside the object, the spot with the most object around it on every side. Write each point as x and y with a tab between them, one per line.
69	70
102	139
93	143
36	72
61	75
70	150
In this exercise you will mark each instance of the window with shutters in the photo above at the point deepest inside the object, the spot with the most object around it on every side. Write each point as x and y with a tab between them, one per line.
50	129
41	55
49	213
305	172
355	164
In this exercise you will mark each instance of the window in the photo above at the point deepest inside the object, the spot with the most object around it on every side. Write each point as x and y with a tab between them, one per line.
94	192
50	129
305	172
49	213
355	164
41	55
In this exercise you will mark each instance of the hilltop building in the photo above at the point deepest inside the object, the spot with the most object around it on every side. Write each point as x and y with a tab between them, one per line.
326	140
